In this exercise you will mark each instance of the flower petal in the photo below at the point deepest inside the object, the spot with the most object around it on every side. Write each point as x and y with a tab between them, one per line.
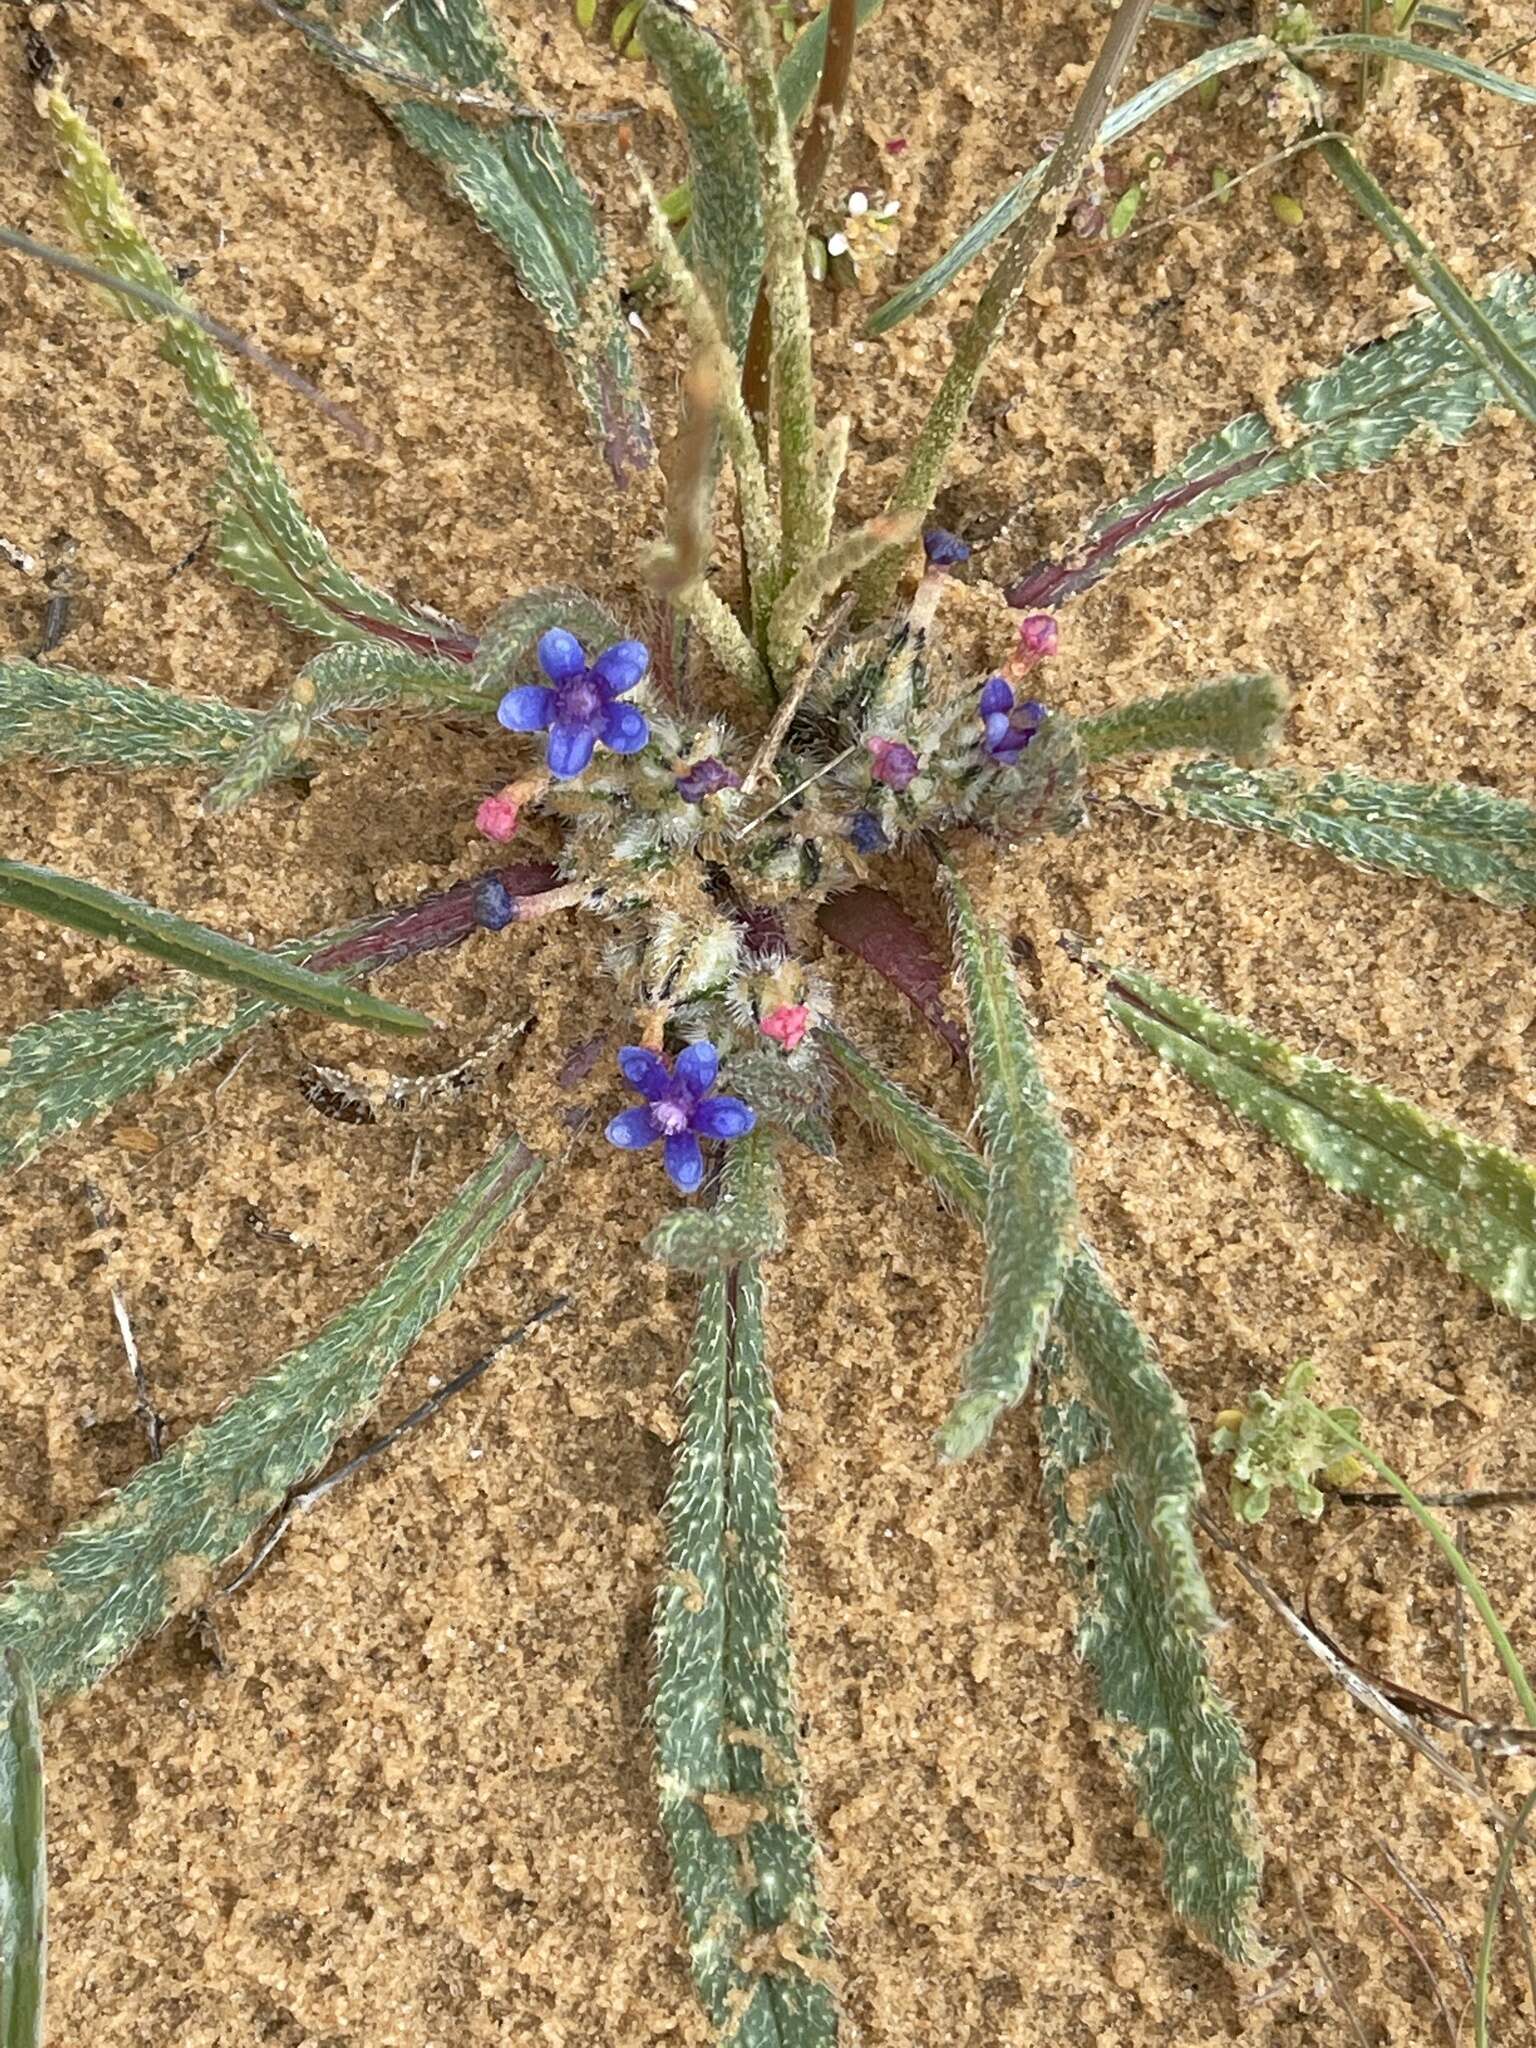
529	709
644	1071
625	729
684	1162
570	749
995	696
696	1067
561	655
723	1116
622	665
633	1130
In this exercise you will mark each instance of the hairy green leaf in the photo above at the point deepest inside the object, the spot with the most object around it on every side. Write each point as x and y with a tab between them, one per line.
67	1070
1031	1219
1398	49
1109	1407
104	914
516	178
374	677
83	721
1420	389
1469	840
265	540
729	1782
1110	1414
1240	716
23	1860
505	653
794	1098
116	1578
725	230
1472	1204
746	1223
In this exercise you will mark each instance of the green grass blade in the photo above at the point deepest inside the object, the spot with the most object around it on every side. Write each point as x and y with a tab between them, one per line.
728	1772
1482	338
1469	840
725	228
116	1578
1031	1217
748	1221
1240	716
517	180
1419	386
1472	1204
23	1860
1128	1543
1017	201
1398	50
68	1070
375	677
104	914
1514	1835
83	721
265	540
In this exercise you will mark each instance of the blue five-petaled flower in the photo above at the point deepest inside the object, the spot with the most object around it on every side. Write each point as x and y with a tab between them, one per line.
678	1109
581	707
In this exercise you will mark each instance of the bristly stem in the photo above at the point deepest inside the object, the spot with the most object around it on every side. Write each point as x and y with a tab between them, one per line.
789	304
815	155
1027	245
23	1860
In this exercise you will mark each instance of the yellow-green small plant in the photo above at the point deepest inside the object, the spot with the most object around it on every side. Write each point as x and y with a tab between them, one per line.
1283	1443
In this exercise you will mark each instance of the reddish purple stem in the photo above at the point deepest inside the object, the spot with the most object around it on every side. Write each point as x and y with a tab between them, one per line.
874	926
436	921
1048	585
453	643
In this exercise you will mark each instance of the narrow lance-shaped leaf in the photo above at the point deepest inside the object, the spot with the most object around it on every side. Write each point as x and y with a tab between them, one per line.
1472	1204
23	1860
116	1578
82	721
1469	840
71	1069
1128	1542
374	677
1031	1222
1419	387
265	540
515	176
1109	1410
1241	716
1484	340
731	1803
1019	198
104	914
746	1223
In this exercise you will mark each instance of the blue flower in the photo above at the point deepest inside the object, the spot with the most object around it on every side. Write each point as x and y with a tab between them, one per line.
1007	727
492	904
867	833
581	708
678	1109
944	550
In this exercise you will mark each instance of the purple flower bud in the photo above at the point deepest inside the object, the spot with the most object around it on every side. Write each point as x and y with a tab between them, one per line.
944	550
1007	726
493	904
867	833
706	778
891	762
1039	638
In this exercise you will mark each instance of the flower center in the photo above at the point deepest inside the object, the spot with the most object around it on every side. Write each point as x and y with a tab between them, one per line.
580	701
670	1118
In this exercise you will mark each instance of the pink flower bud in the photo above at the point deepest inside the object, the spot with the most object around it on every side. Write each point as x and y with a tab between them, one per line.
1039	638
891	762
497	816
787	1025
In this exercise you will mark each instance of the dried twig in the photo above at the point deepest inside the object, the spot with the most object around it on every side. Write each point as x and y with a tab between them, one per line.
1340	1997
1395	1920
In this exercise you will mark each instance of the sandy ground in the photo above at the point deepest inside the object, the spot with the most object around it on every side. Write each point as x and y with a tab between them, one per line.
413	1807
